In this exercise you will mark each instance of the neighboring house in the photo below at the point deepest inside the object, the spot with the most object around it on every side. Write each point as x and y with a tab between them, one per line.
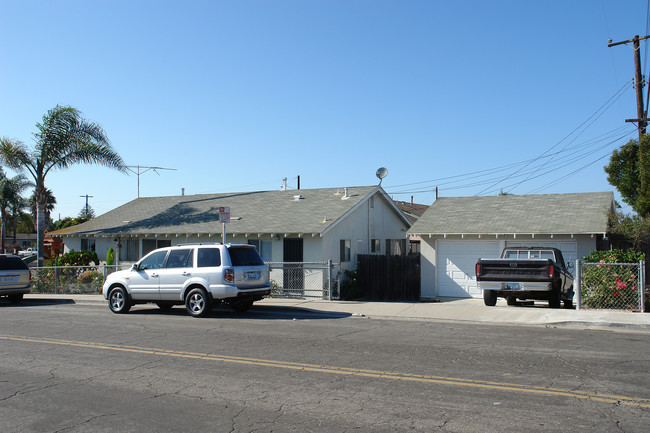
456	231
413	212
306	225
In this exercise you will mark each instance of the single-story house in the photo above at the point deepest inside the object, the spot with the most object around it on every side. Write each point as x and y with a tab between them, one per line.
456	231
306	225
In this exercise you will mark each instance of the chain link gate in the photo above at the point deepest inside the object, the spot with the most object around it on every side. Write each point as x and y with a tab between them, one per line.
320	280
619	286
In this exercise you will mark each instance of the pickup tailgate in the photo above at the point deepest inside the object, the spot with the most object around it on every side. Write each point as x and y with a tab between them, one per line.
514	270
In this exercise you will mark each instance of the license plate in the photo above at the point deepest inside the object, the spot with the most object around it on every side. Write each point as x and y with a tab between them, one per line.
9	279
513	286
252	275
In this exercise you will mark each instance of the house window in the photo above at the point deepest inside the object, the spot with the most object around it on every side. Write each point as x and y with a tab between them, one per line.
375	246
395	247
263	248
148	245
346	248
88	244
130	251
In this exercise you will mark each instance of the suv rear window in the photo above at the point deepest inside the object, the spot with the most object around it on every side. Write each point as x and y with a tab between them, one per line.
244	256
9	263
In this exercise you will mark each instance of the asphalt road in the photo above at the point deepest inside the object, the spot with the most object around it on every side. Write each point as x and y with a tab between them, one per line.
79	368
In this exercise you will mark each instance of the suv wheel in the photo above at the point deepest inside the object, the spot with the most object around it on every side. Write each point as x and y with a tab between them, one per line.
118	300
197	303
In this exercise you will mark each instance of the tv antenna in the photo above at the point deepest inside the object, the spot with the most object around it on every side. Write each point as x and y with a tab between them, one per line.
382	172
142	170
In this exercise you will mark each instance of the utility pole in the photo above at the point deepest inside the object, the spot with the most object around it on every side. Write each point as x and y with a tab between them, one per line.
641	119
87	197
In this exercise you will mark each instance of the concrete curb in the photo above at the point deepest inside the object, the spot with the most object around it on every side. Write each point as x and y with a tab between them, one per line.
447	310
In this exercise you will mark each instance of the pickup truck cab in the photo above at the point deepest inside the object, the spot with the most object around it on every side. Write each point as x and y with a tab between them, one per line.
526	273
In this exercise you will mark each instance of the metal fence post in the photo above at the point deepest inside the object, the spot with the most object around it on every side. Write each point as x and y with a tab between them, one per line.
642	284
329	278
577	283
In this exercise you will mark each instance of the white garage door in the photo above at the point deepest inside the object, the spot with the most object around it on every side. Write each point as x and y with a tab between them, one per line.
456	266
569	249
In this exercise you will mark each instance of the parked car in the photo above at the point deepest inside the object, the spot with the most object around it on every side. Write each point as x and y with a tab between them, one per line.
526	273
15	278
198	276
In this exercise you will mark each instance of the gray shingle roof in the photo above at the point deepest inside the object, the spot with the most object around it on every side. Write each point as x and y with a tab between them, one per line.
251	212
577	213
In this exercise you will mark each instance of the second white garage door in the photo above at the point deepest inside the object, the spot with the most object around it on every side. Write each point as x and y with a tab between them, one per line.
456	266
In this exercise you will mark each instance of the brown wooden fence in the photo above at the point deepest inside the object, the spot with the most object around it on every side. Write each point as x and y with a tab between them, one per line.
389	278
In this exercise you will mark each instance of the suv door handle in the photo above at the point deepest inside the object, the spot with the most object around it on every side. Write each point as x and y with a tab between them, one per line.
187	274
155	275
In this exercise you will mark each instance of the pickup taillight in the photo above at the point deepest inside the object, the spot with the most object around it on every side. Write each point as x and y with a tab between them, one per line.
229	275
478	269
551	271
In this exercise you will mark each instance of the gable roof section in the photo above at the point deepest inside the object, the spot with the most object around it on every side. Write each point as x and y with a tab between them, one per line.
576	213
263	212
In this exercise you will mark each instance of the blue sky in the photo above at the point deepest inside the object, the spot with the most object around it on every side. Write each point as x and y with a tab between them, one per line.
469	96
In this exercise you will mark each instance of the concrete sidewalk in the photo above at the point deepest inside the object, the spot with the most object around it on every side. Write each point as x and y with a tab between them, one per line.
448	309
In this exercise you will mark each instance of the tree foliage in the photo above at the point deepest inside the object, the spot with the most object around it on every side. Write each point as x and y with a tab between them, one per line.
63	138
625	171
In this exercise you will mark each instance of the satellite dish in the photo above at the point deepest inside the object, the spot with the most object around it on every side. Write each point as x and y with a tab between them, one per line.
381	173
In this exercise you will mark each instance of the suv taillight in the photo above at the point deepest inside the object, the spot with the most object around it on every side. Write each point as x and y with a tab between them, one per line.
229	275
551	271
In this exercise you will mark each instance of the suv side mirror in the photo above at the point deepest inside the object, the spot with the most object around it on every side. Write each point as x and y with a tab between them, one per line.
134	267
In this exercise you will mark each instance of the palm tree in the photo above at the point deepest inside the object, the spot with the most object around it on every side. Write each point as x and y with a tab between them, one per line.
50	201
10	193
63	139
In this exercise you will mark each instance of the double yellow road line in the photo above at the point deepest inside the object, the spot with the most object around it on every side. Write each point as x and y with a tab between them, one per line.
327	369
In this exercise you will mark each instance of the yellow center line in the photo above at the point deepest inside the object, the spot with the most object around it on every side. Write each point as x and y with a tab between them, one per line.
453	381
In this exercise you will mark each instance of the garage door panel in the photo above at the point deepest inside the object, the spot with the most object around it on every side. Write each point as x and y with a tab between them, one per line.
456	264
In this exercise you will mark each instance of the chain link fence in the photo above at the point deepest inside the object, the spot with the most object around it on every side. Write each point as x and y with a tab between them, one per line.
619	286
320	280
71	279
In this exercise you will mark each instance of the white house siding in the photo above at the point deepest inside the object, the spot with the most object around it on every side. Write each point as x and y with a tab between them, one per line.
360	225
447	265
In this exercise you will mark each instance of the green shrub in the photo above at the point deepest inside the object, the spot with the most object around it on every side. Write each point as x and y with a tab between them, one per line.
110	257
350	287
609	284
77	258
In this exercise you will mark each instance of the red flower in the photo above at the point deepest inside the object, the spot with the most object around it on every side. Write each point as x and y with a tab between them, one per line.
615	294
620	285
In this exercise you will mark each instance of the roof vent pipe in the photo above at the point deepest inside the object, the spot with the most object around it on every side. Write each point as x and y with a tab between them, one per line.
183	191
346	193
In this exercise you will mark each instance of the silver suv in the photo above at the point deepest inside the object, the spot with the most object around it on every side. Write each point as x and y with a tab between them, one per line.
198	276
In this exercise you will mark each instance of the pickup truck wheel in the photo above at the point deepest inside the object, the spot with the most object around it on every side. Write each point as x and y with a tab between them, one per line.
554	299
511	300
242	306
197	303
489	298
118	300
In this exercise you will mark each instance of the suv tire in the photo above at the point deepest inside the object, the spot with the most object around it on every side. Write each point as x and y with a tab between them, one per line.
197	303
118	300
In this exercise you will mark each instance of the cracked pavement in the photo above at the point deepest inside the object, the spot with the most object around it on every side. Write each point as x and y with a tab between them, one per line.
63	387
